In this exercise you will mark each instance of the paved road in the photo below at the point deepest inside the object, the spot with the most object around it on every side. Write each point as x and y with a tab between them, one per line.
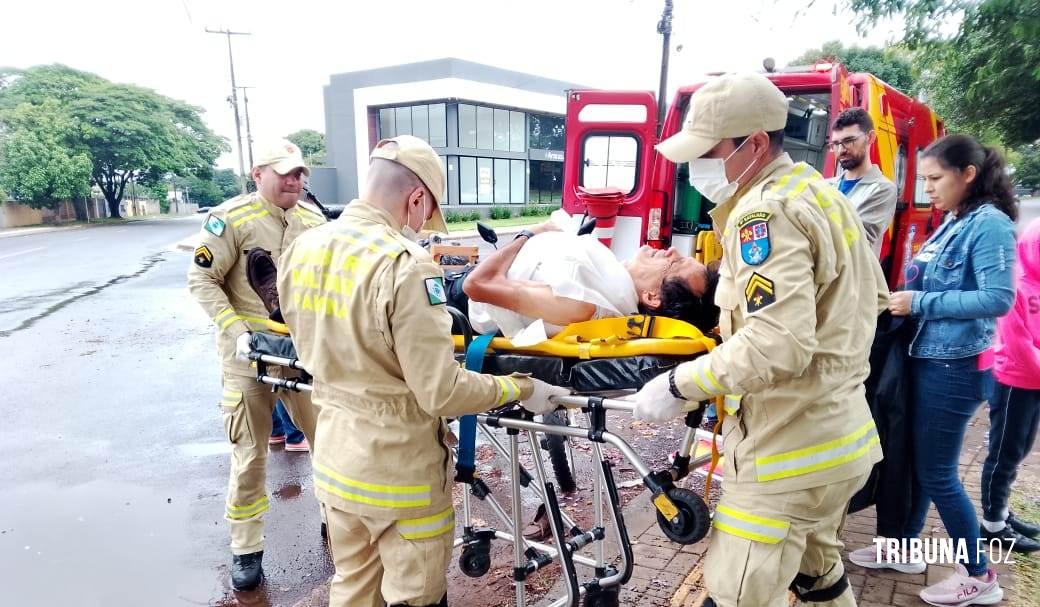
113	456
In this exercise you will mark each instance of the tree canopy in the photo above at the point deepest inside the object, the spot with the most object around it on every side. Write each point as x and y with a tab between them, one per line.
984	78
890	65
311	144
124	131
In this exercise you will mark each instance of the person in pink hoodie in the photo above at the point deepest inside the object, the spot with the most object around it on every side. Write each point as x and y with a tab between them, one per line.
1014	409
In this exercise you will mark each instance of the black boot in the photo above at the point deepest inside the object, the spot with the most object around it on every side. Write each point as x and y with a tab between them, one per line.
1011	539
246	571
1024	527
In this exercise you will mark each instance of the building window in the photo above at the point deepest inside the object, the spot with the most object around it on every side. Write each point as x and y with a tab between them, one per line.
386	123
485	128
421	122
438	126
517	181
502	130
485	189
516	131
546	181
467	126
501	180
467	180
403	116
546	132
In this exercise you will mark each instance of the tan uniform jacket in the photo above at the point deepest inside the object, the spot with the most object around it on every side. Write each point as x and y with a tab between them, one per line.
366	310
217	277
800	291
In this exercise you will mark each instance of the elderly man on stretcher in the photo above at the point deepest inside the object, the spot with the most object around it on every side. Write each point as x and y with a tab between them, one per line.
547	279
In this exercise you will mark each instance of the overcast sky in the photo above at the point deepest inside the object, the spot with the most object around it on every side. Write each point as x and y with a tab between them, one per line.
295	46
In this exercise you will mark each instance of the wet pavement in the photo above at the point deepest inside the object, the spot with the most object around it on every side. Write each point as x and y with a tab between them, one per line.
114	466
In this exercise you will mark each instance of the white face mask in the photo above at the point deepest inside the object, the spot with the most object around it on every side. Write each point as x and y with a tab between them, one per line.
708	175
408	231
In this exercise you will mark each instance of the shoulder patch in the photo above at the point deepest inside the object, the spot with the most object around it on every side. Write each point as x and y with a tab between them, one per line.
759	293
215	225
435	291
203	257
753	231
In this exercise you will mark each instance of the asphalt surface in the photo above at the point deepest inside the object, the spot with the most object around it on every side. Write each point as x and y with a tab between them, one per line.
114	465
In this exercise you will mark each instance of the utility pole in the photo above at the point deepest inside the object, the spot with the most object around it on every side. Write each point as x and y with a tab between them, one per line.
249	133
664	27
234	103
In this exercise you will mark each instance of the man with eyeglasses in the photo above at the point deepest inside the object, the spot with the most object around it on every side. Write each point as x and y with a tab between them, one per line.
862	182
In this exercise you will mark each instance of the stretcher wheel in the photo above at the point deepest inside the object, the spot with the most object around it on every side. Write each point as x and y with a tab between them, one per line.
693	521
475	561
603	597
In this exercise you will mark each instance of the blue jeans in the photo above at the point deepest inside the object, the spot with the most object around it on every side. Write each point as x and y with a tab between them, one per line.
945	395
1014	414
282	424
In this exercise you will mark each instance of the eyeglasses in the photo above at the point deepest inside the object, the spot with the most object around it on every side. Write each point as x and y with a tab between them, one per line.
846	143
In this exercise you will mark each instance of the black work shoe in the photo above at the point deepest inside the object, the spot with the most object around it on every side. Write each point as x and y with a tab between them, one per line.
1024	527
246	571
1011	539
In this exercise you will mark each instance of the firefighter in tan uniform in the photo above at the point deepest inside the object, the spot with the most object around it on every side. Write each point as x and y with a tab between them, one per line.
271	218
366	309
799	293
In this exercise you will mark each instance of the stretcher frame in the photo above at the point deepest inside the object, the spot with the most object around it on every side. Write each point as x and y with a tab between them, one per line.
681	514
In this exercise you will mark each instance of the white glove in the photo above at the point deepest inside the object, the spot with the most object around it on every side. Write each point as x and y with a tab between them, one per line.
538	403
655	403
242	348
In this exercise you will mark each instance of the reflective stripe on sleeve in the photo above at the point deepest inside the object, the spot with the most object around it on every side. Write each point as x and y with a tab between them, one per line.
388	496
818	457
510	392
428	526
732	403
704	378
749	526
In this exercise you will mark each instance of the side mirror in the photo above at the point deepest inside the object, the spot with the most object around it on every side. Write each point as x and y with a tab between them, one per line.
487	233
587	226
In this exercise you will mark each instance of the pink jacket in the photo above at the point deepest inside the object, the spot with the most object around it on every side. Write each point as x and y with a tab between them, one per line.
1017	350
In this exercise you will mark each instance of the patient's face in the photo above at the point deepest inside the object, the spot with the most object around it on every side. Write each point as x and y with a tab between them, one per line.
650	268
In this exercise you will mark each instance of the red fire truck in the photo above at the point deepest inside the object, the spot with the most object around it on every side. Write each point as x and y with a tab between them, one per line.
642	198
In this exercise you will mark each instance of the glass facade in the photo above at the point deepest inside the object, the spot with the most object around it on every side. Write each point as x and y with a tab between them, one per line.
493	155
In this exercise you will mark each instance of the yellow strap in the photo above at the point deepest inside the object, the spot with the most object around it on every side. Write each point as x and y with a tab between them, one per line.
720	411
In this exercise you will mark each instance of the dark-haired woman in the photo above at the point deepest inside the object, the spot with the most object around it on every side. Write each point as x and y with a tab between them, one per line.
958	284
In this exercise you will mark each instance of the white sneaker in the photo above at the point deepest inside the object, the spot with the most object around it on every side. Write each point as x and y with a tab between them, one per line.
870	557
961	590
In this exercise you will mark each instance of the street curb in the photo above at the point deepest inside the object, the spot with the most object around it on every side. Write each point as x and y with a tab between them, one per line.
15	232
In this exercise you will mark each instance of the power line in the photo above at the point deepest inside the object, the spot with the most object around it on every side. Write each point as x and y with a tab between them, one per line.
234	103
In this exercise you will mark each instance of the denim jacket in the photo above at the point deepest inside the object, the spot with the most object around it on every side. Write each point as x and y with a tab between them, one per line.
966	283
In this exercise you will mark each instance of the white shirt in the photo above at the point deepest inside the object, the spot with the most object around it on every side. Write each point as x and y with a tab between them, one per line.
575	267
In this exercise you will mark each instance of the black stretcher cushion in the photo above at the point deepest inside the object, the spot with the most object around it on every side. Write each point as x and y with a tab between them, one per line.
595	375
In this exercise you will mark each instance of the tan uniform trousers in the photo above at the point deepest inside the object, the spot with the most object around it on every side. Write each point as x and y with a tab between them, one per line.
758	572
247	407
376	566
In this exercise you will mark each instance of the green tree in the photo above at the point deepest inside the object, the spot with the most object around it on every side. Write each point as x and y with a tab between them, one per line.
311	143
127	132
227	183
982	79
1026	162
891	65
36	165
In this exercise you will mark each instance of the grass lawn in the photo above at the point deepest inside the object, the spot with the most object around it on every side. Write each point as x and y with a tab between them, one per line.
497	223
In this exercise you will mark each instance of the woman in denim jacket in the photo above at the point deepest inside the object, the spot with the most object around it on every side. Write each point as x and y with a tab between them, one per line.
957	285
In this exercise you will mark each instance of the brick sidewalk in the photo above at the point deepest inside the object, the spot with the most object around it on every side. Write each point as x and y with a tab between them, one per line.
669	575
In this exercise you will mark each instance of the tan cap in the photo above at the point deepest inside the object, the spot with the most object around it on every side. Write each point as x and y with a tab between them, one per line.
734	105
418	157
283	156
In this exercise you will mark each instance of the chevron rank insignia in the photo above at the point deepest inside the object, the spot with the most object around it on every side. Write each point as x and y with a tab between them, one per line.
203	257
214	225
753	230
759	292
435	291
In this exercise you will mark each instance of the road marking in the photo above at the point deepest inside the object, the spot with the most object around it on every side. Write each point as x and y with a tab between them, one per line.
17	253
